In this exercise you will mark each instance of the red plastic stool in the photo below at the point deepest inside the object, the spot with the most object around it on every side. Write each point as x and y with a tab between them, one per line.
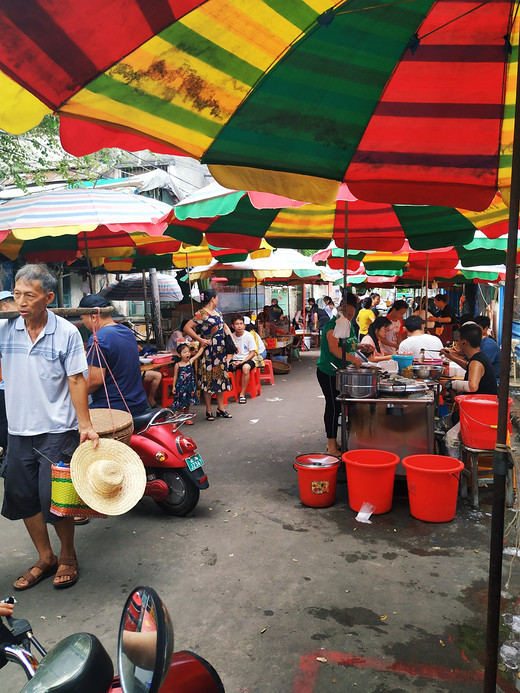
234	392
253	387
166	392
268	373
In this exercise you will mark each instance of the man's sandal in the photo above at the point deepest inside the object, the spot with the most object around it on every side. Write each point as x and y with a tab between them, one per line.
47	569
69	570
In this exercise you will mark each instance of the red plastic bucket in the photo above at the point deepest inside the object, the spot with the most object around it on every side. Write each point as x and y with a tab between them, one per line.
317	479
478	420
433	484
370	478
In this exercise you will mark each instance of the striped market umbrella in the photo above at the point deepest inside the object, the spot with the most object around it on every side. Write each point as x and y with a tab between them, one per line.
282	266
72	211
229	218
439	262
98	245
283	97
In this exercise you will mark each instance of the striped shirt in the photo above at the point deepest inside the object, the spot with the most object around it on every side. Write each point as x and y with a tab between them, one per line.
37	393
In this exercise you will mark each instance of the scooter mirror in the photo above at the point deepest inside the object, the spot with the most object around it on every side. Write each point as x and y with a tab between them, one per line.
145	642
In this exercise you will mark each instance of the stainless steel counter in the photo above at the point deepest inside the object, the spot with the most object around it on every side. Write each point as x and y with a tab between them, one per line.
404	425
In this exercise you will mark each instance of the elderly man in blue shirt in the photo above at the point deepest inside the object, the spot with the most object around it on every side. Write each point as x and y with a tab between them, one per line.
43	362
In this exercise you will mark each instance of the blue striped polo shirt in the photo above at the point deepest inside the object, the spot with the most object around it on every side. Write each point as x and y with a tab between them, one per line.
37	396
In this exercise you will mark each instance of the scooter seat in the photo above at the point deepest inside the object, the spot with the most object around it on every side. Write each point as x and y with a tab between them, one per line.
142	420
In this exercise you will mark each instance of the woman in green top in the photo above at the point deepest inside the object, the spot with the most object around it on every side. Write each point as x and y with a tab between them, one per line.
331	353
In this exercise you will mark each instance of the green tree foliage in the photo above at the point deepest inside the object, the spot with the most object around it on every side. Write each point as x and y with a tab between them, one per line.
29	158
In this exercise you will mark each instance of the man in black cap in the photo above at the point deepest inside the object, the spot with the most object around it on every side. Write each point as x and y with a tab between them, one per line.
114	360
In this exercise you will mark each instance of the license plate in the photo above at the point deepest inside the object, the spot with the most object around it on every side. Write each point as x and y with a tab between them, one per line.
194	462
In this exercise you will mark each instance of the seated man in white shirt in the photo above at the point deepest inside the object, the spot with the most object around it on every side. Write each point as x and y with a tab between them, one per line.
244	359
416	340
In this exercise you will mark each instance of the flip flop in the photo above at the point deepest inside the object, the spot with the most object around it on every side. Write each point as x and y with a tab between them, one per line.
189	423
70	570
47	569
80	520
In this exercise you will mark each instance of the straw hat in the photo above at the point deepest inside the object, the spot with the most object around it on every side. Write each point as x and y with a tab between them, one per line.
110	478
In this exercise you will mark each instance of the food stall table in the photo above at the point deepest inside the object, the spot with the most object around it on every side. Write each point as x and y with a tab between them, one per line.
155	366
283	346
400	424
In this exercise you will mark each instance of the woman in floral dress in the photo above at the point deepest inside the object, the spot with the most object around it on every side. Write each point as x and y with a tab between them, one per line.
213	377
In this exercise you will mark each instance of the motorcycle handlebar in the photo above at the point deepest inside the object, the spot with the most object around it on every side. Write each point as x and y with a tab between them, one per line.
171	418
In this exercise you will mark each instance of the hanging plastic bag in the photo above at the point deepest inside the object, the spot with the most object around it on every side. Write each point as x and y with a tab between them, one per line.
342	328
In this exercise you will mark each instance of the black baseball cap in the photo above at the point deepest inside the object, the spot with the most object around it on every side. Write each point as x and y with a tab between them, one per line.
93	301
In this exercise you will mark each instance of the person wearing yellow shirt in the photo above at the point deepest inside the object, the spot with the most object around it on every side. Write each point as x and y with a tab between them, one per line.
365	317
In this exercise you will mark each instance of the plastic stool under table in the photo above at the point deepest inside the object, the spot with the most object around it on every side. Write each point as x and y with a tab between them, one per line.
470	457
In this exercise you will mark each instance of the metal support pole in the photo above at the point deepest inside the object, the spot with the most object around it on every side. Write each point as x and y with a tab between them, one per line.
89	264
156	309
145	295
189	283
60	287
345	267
499	459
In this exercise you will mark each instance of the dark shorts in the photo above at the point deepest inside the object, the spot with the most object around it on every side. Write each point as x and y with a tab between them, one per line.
28	473
238	365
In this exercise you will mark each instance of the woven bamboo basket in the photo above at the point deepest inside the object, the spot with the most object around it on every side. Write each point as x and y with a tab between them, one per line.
281	368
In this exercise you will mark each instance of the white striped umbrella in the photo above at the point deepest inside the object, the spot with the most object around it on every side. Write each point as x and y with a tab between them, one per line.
72	211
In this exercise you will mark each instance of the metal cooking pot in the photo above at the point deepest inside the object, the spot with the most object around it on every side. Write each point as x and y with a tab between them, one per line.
426	371
357	382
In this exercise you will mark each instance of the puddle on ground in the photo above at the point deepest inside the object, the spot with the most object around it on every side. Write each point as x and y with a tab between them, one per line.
356	616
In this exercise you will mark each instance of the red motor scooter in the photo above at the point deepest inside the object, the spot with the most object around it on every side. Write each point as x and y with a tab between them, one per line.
80	664
173	468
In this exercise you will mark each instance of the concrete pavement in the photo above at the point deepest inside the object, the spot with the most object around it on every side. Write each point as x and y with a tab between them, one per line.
281	598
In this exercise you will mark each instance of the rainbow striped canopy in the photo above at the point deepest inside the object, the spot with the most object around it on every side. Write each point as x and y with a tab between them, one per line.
404	101
229	219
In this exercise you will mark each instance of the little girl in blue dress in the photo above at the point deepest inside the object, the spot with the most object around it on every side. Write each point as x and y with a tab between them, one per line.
184	388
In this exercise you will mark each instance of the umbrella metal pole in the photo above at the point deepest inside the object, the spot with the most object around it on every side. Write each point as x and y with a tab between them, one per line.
344	346
156	308
501	457
145	295
303	318
89	265
426	303
288	306
189	283
60	287
344	409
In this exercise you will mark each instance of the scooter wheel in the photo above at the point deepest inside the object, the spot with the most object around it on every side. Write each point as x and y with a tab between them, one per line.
183	496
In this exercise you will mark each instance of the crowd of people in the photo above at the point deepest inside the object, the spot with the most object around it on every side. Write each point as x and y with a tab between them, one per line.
421	334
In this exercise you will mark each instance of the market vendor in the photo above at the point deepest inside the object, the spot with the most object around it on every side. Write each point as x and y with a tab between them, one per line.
331	353
479	379
445	318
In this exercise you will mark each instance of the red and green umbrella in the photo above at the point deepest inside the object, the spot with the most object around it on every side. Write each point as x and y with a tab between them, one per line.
229	218
403	101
